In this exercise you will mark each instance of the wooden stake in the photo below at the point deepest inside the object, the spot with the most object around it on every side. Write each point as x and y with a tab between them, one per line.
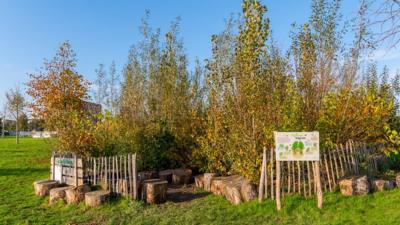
319	189
332	169
288	175
262	178
309	179
278	185
266	175
298	178
134	177
327	172
303	178
76	170
272	173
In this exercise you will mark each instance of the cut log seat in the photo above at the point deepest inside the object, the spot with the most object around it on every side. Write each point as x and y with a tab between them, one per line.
154	191
76	194
236	189
182	176
354	185
382	185
42	187
57	194
199	181
166	175
96	198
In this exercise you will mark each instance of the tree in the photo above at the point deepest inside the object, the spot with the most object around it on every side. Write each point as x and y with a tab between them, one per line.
113	95
387	20
3	118
16	104
58	93
101	86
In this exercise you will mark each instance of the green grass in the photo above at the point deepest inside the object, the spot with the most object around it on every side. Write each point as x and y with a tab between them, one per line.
29	161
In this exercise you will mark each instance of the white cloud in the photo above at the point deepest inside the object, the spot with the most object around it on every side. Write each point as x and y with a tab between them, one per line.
384	55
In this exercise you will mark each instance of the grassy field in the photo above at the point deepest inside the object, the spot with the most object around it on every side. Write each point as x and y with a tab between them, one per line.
29	161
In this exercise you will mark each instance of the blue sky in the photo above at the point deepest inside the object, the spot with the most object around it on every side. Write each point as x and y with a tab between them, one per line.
103	31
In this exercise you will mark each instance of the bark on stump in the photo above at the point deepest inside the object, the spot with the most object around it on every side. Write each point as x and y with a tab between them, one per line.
354	185
96	198
76	194
207	180
382	185
199	181
166	175
398	180
42	187
182	176
57	194
236	189
154	191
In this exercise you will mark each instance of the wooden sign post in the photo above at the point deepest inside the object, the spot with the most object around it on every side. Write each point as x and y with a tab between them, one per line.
297	146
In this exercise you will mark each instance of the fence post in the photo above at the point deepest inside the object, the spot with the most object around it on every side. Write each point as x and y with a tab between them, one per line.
76	170
278	185
134	177
262	178
319	189
53	166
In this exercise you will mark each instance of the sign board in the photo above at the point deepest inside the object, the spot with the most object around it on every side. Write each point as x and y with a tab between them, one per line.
297	146
67	169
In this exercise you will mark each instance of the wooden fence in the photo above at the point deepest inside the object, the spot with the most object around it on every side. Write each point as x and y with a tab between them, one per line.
117	174
352	158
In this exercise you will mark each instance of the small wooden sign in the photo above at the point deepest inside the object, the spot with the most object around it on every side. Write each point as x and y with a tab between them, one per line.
297	146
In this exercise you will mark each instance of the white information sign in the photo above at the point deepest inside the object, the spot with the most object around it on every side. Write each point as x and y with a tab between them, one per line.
297	146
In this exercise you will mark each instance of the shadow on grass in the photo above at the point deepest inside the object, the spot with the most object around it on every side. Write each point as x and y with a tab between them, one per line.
179	194
21	171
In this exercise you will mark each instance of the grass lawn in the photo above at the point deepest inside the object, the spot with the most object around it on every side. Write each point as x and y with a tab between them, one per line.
22	164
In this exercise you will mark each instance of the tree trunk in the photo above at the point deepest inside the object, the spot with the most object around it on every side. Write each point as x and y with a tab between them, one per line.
16	127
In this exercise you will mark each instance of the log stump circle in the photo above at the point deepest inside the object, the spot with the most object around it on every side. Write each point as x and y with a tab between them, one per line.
43	187
76	194
57	194
96	198
182	176
154	191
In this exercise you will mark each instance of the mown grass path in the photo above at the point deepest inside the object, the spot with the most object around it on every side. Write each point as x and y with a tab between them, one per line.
21	165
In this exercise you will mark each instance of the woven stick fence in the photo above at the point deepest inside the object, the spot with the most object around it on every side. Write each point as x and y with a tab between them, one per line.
298	177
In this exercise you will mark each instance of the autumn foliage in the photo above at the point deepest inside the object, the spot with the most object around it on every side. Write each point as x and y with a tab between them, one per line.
219	117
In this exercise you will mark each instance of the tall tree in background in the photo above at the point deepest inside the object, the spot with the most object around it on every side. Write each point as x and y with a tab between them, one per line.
113	91
101	86
16	104
58	94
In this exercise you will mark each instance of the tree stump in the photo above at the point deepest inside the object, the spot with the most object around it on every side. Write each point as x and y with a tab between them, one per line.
248	191
96	198
354	185
182	176
166	175
218	185
76	194
154	191
42	187
382	185
207	180
235	188
146	175
199	181
57	194
398	180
